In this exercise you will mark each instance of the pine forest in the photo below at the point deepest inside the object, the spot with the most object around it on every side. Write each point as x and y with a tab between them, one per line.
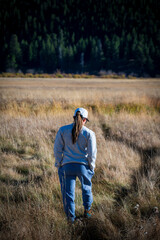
69	36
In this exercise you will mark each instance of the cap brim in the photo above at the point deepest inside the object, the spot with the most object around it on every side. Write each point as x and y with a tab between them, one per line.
83	118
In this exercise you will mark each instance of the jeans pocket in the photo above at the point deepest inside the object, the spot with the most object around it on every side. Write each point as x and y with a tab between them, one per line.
59	169
91	172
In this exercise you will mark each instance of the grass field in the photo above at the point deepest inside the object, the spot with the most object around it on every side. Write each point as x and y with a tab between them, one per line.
124	114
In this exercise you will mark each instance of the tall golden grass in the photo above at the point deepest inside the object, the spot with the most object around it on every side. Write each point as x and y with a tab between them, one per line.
126	185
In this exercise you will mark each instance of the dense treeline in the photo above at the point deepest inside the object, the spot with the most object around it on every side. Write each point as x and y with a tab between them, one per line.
80	36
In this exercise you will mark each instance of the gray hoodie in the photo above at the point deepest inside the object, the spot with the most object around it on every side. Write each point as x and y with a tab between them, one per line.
84	151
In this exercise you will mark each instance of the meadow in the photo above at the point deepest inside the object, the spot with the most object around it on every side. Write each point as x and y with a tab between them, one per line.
125	116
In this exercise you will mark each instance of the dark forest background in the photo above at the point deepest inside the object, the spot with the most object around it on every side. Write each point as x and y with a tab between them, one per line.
75	36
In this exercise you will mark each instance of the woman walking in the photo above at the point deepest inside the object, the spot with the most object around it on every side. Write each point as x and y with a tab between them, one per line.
75	155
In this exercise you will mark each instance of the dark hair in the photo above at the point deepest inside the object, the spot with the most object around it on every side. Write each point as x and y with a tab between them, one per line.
77	126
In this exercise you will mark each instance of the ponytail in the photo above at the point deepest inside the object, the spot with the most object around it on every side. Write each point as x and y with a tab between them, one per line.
76	127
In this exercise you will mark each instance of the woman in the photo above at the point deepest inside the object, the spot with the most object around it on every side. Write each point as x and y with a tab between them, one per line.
75	155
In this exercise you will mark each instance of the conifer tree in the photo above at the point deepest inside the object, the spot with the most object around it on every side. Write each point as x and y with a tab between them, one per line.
15	54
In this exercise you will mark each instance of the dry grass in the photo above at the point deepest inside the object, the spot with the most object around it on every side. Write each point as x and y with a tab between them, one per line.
125	117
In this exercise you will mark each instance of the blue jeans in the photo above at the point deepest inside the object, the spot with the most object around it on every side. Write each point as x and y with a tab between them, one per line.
67	176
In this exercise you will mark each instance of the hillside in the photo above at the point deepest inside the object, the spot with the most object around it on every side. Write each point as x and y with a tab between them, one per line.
80	36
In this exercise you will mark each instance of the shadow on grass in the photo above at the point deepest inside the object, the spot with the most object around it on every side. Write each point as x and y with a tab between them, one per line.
147	156
14	182
91	229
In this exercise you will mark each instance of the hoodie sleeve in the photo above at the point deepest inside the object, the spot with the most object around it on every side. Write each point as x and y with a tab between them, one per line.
58	148
92	150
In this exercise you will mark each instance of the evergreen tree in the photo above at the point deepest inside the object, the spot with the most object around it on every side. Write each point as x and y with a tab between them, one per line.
15	54
140	57
115	44
25	56
48	58
107	53
93	55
